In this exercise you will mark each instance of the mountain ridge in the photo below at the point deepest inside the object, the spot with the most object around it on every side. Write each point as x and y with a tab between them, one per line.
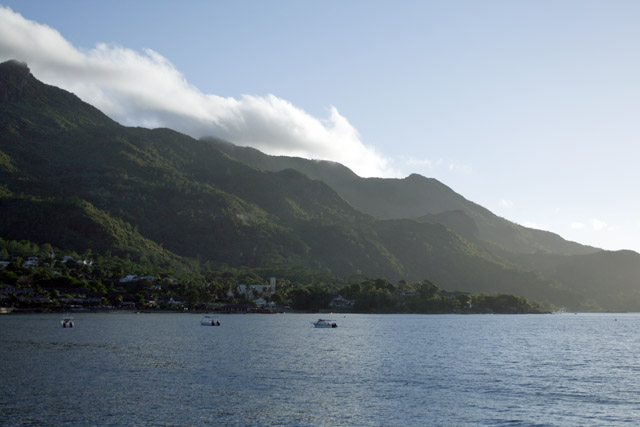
176	196
414	196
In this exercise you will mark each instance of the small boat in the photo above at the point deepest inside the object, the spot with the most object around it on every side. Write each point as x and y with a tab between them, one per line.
209	321
67	322
325	323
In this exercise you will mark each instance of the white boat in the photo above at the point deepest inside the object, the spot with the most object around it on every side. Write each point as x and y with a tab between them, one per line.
67	322
209	321
325	323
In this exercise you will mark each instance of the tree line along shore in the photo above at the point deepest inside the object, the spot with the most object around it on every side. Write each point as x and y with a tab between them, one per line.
43	278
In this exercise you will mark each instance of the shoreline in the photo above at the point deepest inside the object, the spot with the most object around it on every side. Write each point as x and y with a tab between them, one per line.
17	311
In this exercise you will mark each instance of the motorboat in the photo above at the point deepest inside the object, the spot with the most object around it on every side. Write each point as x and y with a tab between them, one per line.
325	323
209	321
67	322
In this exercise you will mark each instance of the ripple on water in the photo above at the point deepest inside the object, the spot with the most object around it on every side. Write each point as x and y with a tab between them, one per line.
278	370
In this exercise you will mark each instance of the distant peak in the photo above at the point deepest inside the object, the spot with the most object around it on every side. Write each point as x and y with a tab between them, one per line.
14	66
14	63
14	77
415	177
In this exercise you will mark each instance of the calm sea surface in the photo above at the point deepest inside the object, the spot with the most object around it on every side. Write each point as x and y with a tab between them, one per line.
373	370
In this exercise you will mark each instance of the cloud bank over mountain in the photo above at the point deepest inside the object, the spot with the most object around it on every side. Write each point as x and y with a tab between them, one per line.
145	89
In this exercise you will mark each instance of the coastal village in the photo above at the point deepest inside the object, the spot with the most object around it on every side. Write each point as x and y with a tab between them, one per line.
133	292
37	278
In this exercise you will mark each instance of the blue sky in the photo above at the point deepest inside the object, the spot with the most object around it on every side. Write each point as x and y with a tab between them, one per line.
527	108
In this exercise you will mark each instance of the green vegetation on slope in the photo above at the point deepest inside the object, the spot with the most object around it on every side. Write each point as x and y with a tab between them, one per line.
412	197
54	280
75	179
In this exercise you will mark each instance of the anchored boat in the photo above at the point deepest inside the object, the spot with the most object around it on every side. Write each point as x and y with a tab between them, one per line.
325	323
209	321
67	322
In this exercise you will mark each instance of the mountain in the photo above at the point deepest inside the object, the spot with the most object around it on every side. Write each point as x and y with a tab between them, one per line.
72	177
415	197
612	278
70	223
609	277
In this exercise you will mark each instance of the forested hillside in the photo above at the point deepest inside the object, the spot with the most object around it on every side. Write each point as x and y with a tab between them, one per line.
414	197
73	178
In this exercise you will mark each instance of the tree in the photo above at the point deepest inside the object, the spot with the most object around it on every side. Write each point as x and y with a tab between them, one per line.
46	250
427	289
139	300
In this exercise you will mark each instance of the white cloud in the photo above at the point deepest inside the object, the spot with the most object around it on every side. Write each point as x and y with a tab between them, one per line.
598	225
459	168
595	225
414	161
145	89
506	203
428	165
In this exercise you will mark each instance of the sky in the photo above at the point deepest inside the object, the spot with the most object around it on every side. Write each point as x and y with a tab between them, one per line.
528	108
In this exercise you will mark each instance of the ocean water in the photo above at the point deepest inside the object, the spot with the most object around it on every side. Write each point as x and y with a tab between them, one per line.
165	369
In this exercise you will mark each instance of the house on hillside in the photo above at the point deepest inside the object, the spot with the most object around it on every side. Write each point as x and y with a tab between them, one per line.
133	278
7	290
174	304
31	262
406	293
340	301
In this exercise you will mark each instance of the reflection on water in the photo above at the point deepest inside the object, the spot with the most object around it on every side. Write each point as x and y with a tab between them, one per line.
123	368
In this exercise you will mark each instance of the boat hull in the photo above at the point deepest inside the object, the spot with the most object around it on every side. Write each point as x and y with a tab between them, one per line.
209	321
324	324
